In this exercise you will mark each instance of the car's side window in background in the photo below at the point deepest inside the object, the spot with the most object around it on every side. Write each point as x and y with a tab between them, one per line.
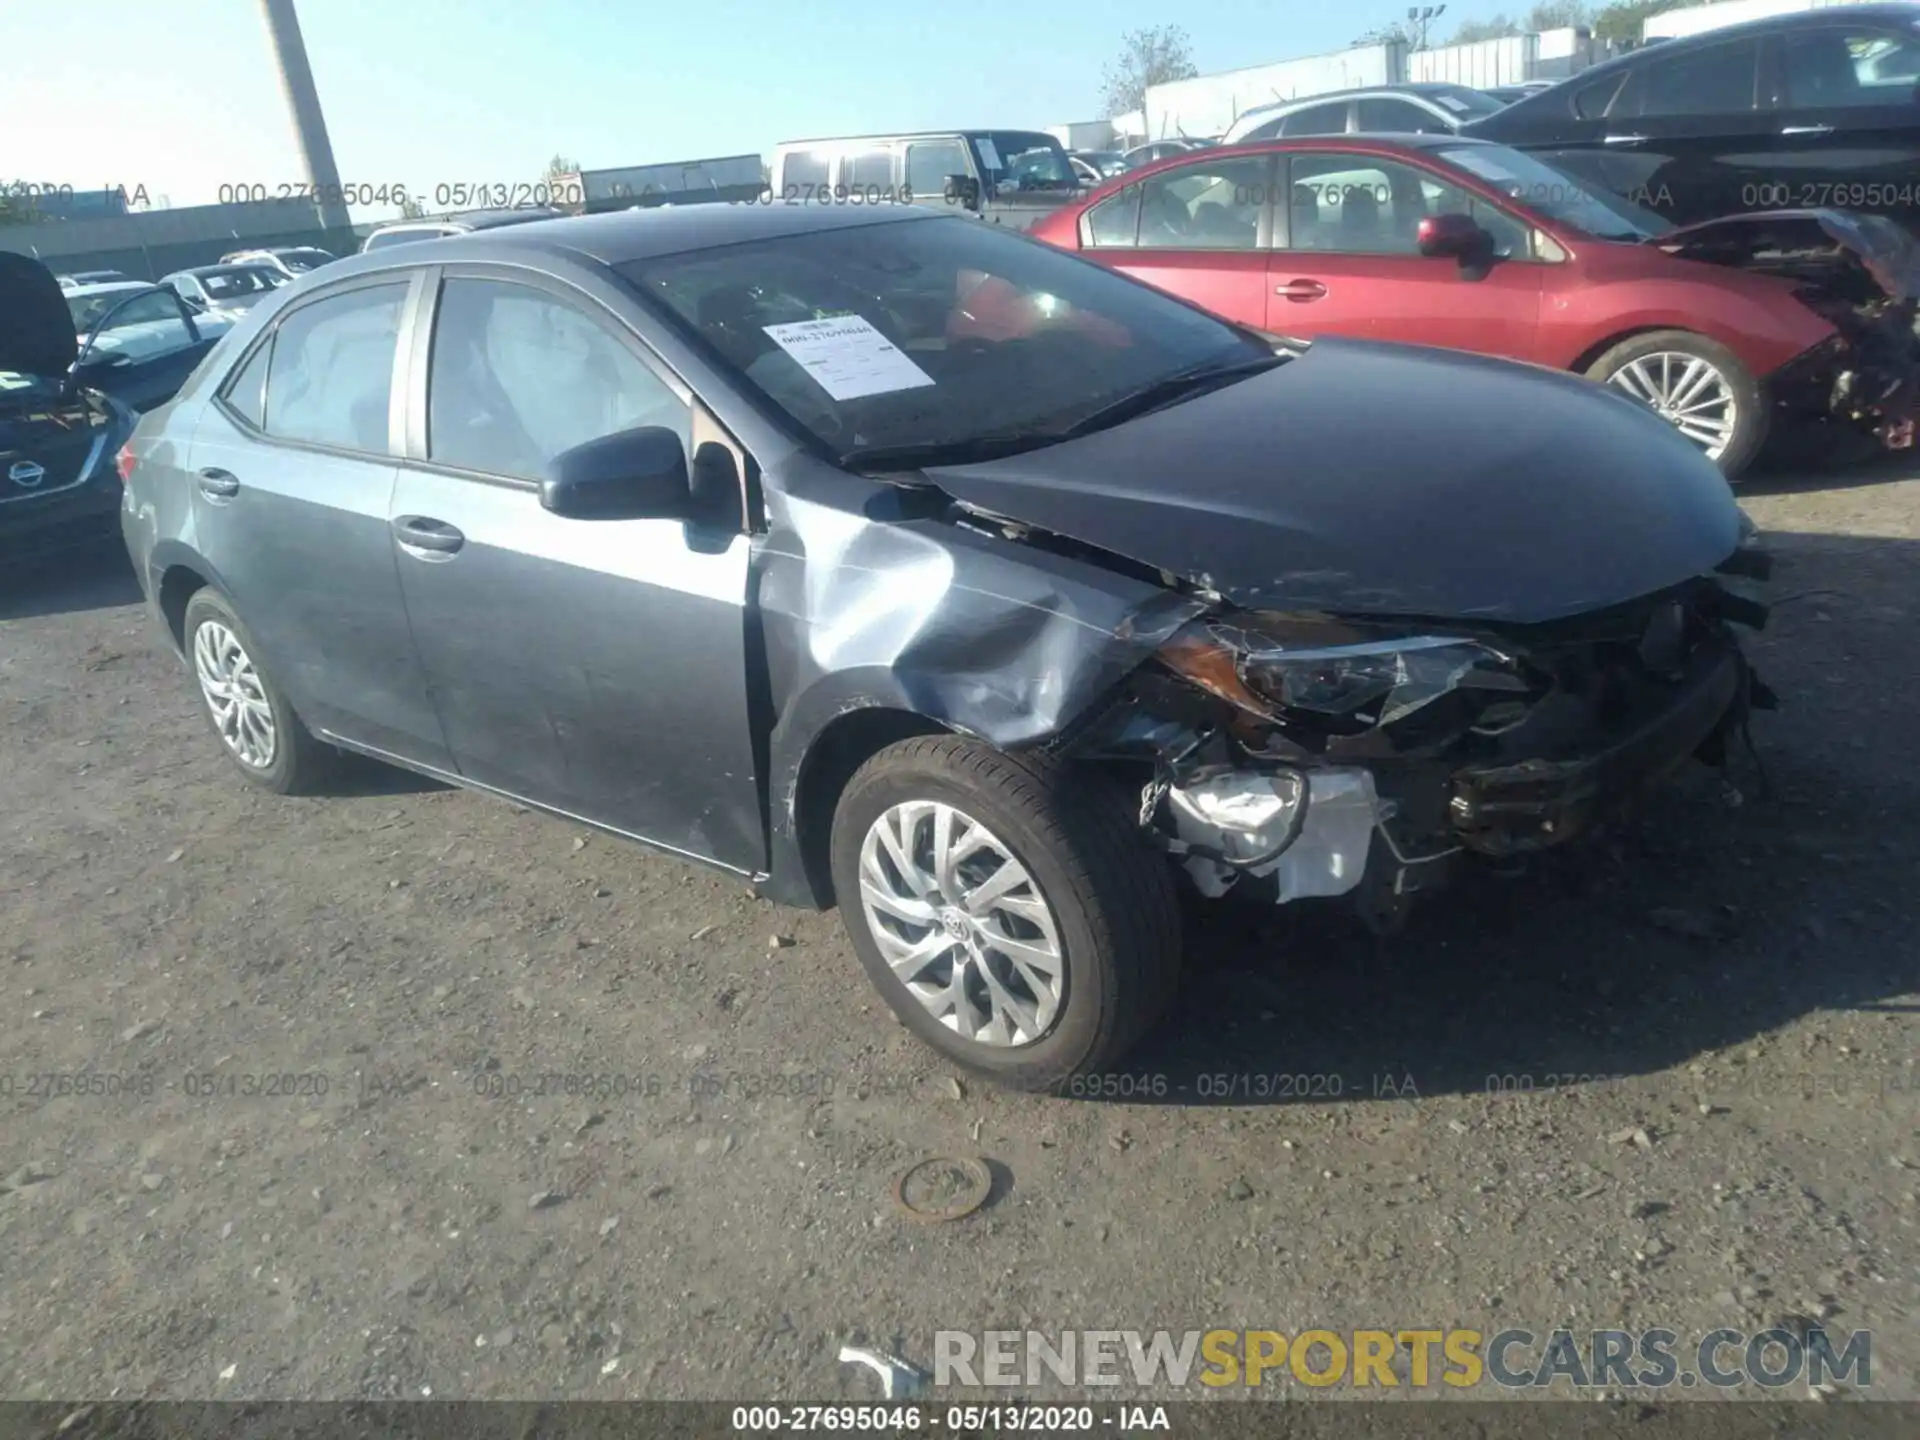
1115	221
1317	120
246	393
1268	131
1398	117
331	376
517	376
1342	204
1590	101
1214	205
873	170
1717	80
1511	239
803	167
1844	66
928	166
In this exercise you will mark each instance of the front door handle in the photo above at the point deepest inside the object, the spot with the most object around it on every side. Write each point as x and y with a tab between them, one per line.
218	484
1300	290
1623	139
423	537
1806	129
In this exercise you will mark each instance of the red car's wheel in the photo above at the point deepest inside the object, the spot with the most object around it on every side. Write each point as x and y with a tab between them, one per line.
1698	386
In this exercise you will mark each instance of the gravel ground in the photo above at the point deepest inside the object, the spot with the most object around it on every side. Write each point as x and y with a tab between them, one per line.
339	1184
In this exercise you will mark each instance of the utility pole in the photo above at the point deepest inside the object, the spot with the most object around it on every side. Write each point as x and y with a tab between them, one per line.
1419	18
310	126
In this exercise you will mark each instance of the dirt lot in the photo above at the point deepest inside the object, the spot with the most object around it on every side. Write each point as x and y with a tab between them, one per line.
1741	976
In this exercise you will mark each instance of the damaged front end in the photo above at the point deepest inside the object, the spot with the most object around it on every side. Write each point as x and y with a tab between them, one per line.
1302	755
1861	274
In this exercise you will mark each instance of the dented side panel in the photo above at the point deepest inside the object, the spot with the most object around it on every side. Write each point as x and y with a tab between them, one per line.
868	599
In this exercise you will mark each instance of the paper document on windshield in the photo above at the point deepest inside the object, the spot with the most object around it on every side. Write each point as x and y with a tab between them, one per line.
847	357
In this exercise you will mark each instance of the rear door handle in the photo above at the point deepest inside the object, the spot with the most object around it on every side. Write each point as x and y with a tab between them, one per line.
425	537
1806	129
1300	290
218	484
1623	140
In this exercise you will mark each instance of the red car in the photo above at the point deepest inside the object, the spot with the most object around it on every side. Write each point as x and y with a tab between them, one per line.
1723	327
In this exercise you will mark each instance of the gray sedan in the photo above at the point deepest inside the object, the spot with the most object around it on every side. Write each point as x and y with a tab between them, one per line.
887	559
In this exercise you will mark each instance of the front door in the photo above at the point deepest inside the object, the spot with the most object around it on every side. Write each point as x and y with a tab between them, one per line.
1198	231
293	471
1347	261
142	350
597	667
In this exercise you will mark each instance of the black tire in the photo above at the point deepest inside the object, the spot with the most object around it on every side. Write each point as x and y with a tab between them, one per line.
300	764
1749	399
1111	894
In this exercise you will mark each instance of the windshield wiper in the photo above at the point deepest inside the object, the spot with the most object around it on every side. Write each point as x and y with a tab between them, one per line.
1169	389
970	450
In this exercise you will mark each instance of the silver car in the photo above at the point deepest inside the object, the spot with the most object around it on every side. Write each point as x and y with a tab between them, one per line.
884	558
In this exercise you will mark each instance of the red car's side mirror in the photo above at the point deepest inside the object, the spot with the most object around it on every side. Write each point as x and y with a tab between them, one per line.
1453	237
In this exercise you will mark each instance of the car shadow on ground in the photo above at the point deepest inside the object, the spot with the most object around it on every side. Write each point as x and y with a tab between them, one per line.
1708	920
97	577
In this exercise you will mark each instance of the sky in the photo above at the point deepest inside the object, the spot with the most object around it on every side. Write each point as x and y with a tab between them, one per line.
181	96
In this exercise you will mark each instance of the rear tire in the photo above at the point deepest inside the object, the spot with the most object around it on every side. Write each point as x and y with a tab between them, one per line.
1095	896
249	714
1703	385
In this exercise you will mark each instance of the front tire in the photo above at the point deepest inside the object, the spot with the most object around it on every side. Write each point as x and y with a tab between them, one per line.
1009	911
1698	386
249	714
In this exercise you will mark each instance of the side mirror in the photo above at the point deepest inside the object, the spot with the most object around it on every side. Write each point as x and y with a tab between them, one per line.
963	190
1454	237
630	475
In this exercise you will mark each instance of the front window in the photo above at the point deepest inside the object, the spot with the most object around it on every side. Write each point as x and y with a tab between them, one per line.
1019	160
89	310
1556	194
942	338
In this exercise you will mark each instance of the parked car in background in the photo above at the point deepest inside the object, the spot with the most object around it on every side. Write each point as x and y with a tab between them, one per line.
880	557
91	277
1094	166
62	420
1011	177
1159	150
1508	94
406	232
1433	109
1720	328
1810	109
224	289
292	261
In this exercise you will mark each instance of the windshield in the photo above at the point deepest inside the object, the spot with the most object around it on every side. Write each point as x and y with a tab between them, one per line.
243	283
303	260
1556	194
1465	104
1023	160
933	333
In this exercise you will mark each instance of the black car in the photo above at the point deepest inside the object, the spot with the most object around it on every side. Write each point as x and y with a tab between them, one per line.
884	558
60	432
1806	111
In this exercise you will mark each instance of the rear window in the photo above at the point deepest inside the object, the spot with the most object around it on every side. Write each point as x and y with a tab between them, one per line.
1590	101
332	370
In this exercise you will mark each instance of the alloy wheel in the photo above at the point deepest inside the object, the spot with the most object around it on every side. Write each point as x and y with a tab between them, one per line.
962	923
235	695
1688	392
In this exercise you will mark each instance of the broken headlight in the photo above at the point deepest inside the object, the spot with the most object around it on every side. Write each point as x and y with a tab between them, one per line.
1348	688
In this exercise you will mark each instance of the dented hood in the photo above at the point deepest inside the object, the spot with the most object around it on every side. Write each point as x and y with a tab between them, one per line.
1367	478
1855	257
36	328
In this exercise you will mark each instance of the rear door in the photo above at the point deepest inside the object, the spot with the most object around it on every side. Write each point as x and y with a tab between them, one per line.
1346	260
1845	120
1687	136
1198	230
596	667
293	471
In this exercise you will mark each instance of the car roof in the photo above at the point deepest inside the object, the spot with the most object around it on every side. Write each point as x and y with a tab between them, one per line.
1419	89
617	237
201	271
111	287
467	220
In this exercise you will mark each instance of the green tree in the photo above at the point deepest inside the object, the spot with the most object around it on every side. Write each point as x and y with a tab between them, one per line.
1147	57
1556	15
17	205
413	208
1394	34
1471	31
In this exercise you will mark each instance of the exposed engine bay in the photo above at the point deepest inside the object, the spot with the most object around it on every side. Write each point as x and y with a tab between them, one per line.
1299	755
